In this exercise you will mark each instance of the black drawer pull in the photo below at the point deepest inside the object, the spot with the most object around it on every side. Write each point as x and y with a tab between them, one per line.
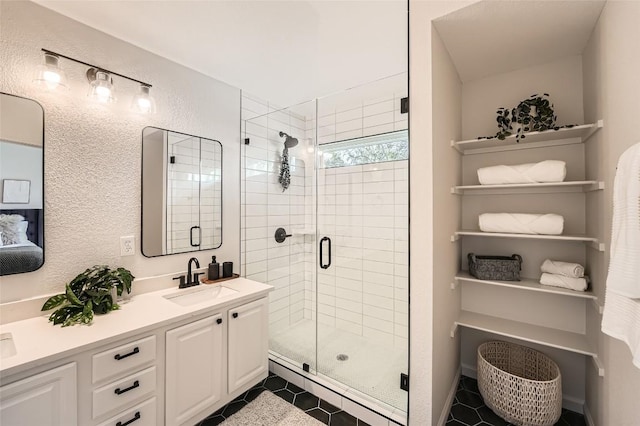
235	315
219	321
128	422
133	352
120	392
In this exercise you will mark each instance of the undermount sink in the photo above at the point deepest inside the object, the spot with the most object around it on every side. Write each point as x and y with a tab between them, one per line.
203	294
7	347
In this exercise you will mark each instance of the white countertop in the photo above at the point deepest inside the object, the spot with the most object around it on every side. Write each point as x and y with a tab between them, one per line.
39	342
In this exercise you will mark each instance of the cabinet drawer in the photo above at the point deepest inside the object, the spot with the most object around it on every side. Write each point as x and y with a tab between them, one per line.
123	391
141	415
114	361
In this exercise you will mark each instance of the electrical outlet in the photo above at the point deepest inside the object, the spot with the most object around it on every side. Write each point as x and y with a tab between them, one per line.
127	246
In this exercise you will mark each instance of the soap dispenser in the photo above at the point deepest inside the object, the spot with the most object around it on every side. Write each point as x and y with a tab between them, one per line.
214	269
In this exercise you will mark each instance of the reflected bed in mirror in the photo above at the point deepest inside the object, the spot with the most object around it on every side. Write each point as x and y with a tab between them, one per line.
181	193
22	182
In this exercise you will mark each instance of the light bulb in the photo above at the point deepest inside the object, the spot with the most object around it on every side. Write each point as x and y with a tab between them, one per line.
143	102
102	89
49	75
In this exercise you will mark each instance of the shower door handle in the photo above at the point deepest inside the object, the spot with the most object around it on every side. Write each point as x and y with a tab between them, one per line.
322	265
191	236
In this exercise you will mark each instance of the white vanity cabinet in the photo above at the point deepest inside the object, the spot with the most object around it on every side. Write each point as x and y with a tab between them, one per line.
45	399
211	360
248	343
194	373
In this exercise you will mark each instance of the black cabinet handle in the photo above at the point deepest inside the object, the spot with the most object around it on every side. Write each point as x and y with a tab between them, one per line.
235	315
119	391
191	236
135	350
322	265
219	321
128	422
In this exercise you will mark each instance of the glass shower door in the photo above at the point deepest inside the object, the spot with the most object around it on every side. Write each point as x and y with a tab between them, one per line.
362	240
278	223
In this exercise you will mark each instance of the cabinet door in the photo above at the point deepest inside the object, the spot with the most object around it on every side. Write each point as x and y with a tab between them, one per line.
193	368
46	399
248	343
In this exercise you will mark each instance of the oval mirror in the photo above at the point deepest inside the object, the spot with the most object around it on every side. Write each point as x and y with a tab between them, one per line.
22	185
181	192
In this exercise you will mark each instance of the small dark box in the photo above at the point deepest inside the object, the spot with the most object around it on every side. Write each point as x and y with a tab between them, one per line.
227	269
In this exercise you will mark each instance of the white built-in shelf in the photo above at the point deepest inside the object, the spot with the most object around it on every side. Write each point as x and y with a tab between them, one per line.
532	140
546	336
593	242
526	285
571	186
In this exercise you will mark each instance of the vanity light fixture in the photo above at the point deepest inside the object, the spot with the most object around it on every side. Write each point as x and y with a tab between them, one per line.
49	74
143	102
101	81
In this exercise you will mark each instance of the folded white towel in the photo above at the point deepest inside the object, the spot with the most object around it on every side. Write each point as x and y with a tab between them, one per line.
573	270
521	223
544	171
579	284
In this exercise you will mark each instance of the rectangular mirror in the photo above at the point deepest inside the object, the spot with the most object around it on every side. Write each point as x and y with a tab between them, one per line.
181	193
21	185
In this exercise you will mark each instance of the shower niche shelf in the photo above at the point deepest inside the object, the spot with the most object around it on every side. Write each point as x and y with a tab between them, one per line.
552	337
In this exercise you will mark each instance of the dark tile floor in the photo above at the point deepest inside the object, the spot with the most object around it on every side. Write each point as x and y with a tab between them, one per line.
310	404
468	409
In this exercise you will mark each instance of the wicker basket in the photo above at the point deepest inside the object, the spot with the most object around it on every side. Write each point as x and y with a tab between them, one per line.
501	268
520	384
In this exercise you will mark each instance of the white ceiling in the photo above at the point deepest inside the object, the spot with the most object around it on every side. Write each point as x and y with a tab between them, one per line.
493	37
282	51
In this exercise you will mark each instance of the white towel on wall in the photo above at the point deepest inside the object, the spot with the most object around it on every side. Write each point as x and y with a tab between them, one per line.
544	171
578	284
573	270
621	317
521	223
624	266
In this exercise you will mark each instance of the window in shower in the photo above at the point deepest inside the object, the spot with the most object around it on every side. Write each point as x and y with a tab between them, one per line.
391	146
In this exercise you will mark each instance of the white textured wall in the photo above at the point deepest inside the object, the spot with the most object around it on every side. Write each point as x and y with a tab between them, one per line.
421	175
611	63
93	152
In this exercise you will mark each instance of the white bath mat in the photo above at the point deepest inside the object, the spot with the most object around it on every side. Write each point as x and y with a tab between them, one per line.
270	410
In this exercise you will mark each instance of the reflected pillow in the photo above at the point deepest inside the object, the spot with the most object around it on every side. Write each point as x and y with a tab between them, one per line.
13	229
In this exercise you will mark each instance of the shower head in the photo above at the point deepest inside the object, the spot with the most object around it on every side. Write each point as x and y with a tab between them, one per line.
289	142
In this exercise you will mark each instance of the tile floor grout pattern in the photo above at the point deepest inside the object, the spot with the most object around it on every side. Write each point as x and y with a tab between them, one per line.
307	402
468	409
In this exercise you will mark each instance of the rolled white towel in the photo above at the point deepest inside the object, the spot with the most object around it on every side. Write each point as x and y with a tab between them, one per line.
544	171
572	270
521	223
578	284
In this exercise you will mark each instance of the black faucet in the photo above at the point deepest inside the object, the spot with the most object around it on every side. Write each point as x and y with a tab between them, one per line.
192	279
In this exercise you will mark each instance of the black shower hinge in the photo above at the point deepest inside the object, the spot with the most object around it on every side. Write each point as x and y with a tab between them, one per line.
172	159
404	382
305	367
404	105
246	141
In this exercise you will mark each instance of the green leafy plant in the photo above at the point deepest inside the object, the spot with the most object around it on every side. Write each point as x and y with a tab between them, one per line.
88	293
534	114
